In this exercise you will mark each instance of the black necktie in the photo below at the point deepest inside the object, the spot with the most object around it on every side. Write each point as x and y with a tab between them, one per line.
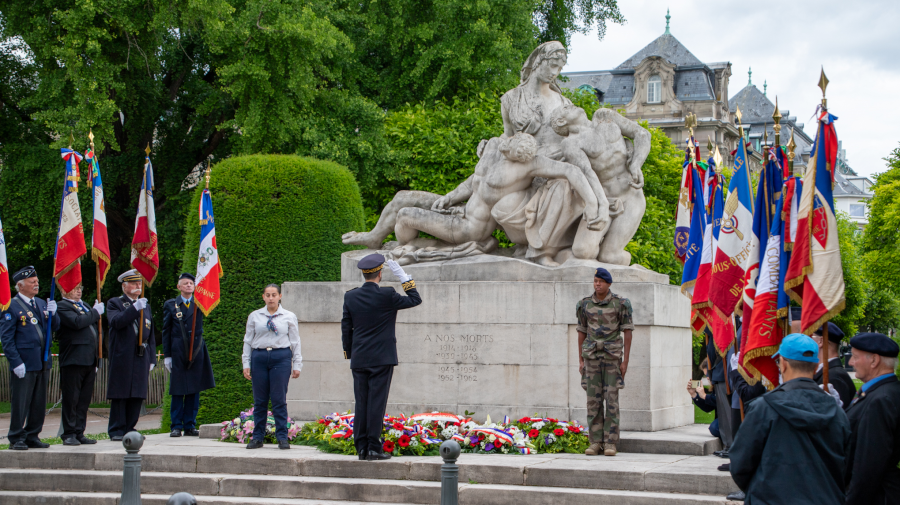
33	305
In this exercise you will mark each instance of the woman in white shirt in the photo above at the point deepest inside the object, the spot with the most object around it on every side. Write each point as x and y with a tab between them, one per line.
271	356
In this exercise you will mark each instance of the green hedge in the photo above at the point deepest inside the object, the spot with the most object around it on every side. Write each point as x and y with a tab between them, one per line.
278	218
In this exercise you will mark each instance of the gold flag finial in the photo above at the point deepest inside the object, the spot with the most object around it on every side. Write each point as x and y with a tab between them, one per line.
709	145
738	115
777	117
207	174
71	140
147	150
91	138
823	83
791	145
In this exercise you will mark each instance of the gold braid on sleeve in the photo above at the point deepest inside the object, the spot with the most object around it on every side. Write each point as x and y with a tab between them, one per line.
410	284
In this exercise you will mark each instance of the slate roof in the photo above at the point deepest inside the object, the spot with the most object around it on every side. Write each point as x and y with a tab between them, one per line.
755	106
693	85
843	187
597	80
620	90
667	47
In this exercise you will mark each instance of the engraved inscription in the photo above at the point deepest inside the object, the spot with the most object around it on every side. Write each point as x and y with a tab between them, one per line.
461	350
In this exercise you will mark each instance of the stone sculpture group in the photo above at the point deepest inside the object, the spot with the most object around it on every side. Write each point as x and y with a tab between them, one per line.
559	185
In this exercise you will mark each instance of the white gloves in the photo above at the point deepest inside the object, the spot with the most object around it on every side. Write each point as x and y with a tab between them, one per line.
100	307
51	306
398	271
140	304
168	364
734	361
19	370
152	366
834	394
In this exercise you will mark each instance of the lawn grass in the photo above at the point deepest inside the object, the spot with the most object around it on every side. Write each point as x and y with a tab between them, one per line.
701	417
98	436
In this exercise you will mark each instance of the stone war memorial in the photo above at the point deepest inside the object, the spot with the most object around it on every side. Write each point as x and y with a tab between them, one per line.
496	333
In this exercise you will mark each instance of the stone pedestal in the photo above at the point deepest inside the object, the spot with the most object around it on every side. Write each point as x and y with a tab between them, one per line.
502	347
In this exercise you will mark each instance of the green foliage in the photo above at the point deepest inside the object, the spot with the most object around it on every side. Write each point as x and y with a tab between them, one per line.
584	99
279	218
558	19
856	285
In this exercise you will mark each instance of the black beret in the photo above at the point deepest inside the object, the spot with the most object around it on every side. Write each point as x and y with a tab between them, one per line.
24	273
604	274
796	313
186	275
371	263
834	332
876	343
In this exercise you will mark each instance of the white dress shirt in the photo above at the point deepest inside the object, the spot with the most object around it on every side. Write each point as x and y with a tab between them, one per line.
259	336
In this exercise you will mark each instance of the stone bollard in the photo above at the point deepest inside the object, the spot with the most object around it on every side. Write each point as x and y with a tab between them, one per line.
449	473
131	476
182	499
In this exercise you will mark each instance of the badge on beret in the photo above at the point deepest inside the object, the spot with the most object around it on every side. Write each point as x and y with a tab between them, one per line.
33	321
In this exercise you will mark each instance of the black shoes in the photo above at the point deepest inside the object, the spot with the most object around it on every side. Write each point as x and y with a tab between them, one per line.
19	446
722	454
85	440
71	441
116	438
284	444
725	468
36	444
736	496
175	433
362	454
192	433
255	444
377	456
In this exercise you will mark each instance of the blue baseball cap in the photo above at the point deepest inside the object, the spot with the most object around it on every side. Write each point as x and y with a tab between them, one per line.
799	347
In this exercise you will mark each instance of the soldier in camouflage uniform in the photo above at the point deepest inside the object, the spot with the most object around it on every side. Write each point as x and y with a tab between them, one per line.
604	335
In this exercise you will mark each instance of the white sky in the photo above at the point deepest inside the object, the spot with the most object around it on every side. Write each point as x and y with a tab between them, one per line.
785	43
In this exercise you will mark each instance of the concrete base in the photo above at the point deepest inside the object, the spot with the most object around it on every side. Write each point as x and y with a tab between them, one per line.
498	348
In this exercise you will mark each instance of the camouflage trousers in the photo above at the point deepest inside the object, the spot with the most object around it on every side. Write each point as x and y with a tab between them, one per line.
602	381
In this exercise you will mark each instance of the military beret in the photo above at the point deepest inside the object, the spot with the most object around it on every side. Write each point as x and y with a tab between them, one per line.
875	343
604	274
24	273
834	332
130	276
371	263
186	275
797	313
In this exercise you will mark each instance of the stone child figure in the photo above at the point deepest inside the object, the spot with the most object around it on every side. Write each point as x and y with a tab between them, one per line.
604	337
599	146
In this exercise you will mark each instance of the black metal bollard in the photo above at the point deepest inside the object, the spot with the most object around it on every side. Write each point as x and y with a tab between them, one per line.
182	499
449	473
131	476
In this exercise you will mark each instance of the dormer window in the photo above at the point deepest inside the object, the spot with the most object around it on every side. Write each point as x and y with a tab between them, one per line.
654	89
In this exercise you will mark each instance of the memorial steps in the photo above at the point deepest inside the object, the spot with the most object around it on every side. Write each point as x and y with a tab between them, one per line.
218	473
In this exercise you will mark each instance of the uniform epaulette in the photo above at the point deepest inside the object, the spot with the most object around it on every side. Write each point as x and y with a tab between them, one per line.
410	284
351	289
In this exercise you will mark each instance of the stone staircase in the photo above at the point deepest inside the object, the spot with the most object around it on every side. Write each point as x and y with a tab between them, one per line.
218	473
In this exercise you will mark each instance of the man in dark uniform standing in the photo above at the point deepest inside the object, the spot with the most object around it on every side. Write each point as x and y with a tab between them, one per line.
78	360
367	332
190	373
872	475
837	375
130	361
24	337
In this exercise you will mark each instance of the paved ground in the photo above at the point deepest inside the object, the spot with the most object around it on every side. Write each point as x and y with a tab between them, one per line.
95	424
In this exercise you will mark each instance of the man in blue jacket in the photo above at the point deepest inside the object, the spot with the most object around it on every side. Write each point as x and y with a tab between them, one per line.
23	333
793	444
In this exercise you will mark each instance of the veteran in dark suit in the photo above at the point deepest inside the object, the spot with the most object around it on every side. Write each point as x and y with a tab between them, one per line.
24	338
130	361
367	333
79	342
190	373
872	476
837	375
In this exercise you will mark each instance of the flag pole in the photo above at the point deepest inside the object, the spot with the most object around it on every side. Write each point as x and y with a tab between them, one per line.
823	83
143	281
55	252
194	317
97	265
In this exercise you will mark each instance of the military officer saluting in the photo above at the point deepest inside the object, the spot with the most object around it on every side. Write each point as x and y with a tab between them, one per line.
603	319
367	333
24	338
130	360
190	372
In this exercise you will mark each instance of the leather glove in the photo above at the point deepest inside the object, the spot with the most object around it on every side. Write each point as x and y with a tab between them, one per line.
398	271
140	304
152	366
100	307
168	364
734	361
51	306
19	370
834	394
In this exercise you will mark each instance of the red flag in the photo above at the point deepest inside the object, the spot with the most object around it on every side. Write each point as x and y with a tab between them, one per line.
70	245
99	238
144	250
5	295
209	266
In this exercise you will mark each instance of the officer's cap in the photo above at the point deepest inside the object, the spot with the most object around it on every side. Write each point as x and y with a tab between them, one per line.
604	274
24	273
186	275
875	343
130	276
799	347
371	263
834	332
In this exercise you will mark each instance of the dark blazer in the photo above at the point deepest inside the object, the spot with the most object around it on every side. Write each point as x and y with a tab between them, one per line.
176	345
367	328
23	335
872	475
78	334
841	380
129	374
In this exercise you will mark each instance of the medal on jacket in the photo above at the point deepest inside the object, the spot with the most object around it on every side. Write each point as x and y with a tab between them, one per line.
178	315
30	314
147	323
33	320
23	320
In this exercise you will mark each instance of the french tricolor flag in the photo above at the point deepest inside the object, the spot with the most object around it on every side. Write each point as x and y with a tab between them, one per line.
209	268
100	237
70	245
144	246
5	295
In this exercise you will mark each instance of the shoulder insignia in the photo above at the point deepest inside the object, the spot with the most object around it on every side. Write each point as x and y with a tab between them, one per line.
7	316
351	289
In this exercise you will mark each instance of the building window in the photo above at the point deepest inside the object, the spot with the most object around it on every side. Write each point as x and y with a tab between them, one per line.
858	210
654	89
